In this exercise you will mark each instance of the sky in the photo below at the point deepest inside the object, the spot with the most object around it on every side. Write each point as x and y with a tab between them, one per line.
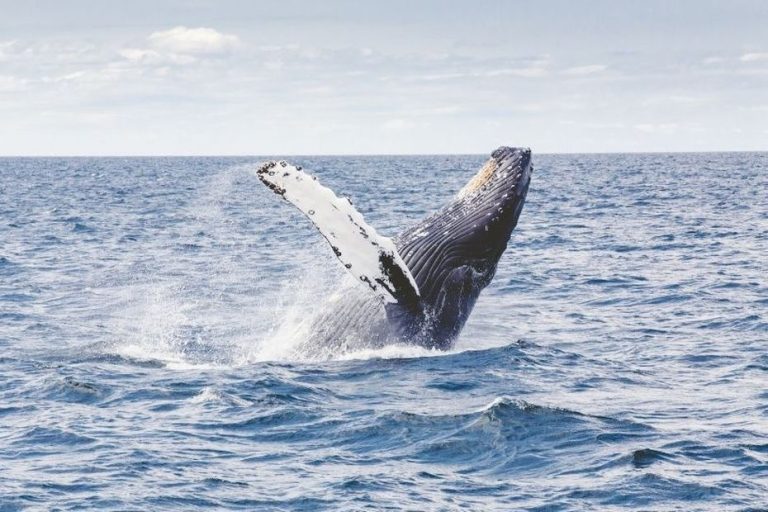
204	77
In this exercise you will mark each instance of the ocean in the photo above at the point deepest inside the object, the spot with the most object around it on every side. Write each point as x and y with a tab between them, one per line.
150	309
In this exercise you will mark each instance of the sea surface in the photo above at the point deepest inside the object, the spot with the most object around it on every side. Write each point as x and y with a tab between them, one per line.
150	309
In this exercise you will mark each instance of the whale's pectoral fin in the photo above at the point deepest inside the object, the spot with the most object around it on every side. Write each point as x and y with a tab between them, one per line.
370	257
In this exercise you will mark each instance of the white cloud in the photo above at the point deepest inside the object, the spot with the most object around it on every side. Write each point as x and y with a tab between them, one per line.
590	69
193	41
752	57
181	45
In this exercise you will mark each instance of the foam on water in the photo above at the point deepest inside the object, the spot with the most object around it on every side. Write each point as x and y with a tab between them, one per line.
156	317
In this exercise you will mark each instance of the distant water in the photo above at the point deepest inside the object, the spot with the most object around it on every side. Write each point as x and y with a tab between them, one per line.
149	308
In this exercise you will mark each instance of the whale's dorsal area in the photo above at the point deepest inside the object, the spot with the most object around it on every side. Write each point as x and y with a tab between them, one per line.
370	257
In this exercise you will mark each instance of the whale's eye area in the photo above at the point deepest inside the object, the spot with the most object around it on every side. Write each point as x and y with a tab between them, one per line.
481	178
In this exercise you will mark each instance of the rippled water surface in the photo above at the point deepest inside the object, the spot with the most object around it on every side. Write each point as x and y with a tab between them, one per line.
150	310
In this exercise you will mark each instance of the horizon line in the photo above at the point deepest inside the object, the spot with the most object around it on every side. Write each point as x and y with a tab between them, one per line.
254	155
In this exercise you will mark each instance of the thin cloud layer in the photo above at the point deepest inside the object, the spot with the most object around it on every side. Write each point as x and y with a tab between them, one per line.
422	78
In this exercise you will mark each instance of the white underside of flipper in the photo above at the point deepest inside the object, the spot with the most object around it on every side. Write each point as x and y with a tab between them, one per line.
373	259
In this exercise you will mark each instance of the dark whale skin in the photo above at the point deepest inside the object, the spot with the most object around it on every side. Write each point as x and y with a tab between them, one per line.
452	255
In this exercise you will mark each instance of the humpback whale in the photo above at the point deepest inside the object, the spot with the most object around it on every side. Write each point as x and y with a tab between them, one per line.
420	287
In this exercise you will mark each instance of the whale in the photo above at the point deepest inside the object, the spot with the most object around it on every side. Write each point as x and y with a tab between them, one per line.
419	287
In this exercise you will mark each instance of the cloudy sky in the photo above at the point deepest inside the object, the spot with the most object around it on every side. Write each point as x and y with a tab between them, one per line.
198	77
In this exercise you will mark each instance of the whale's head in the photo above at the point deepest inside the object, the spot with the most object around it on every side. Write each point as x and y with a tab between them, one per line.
485	211
453	254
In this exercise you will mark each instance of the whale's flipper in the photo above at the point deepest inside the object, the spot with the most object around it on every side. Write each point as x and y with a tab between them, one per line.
368	256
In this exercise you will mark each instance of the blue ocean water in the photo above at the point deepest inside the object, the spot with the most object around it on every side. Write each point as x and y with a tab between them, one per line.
149	308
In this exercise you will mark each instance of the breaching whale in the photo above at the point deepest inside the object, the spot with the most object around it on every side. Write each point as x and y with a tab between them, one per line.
420	287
